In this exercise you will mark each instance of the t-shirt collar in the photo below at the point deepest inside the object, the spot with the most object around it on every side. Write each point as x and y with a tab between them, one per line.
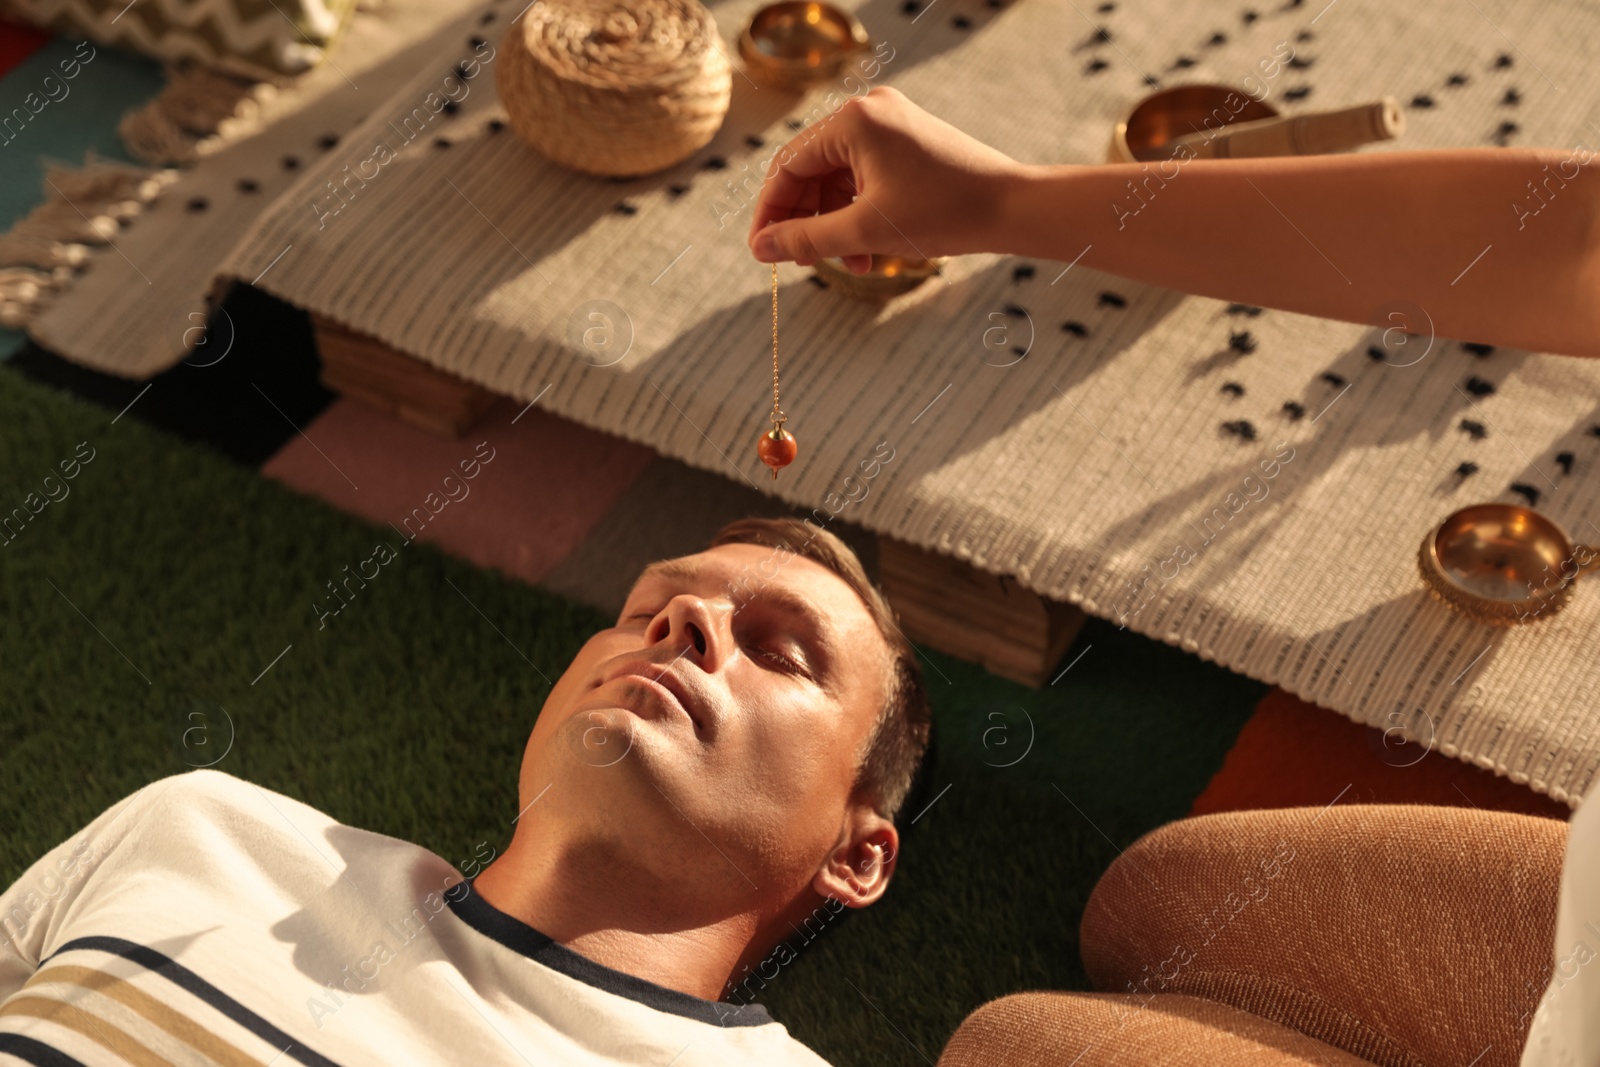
521	938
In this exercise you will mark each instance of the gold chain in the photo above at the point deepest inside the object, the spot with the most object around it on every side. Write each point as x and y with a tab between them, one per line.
776	411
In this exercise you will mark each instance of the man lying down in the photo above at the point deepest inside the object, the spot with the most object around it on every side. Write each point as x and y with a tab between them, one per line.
715	772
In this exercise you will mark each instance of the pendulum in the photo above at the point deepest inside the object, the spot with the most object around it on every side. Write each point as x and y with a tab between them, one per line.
777	446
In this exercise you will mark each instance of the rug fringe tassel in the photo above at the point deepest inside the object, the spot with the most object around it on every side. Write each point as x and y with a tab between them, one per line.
84	208
200	109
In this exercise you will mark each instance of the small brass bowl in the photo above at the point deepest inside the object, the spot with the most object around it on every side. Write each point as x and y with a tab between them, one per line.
1503	564
1168	114
797	44
889	277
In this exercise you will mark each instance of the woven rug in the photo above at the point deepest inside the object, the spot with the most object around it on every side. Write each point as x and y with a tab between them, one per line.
139	304
1112	424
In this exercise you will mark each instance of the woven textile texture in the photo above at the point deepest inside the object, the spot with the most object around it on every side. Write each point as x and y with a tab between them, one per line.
139	305
1404	935
1250	486
1048	1029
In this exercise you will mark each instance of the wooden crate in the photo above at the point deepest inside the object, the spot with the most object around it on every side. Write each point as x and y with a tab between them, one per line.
357	365
976	616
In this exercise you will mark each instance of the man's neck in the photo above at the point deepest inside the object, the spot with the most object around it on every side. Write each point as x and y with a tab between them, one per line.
620	916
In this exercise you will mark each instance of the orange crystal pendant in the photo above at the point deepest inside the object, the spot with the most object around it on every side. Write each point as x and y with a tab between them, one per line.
777	448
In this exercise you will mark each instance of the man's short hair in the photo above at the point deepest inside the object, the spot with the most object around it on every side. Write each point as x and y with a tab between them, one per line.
899	738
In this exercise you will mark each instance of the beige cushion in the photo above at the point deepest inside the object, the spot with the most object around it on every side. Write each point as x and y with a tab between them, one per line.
1402	934
1110	1030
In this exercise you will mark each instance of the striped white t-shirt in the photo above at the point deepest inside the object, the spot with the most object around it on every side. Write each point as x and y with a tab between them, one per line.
205	920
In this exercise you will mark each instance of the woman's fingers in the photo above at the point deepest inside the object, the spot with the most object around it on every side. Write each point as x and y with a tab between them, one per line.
808	207
837	195
806	240
798	168
880	175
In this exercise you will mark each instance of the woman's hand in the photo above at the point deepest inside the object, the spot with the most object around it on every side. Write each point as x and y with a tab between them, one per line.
882	176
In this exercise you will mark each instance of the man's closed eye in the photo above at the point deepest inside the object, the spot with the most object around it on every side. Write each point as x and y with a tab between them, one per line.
786	662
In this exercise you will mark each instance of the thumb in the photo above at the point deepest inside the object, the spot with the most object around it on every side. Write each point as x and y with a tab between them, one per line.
806	240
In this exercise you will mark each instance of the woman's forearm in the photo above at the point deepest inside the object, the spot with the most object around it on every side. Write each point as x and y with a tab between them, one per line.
1495	245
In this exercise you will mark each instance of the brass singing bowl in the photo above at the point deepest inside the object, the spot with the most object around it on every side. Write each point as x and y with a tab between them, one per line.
1503	564
797	44
1168	114
889	277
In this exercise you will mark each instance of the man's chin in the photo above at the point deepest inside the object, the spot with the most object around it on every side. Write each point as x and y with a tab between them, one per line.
618	767
600	737
610	736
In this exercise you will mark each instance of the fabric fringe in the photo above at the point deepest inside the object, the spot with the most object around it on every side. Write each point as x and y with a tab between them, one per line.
200	110
83	210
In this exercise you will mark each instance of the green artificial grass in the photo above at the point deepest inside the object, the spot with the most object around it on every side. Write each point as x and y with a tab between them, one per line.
408	714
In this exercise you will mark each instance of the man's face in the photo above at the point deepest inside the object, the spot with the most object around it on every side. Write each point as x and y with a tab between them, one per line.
714	731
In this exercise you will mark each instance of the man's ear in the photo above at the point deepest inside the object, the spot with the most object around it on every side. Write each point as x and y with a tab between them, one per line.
858	869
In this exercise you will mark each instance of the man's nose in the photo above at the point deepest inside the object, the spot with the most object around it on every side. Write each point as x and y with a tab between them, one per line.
697	630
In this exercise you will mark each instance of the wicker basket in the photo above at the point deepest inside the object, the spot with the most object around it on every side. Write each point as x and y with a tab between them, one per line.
617	88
